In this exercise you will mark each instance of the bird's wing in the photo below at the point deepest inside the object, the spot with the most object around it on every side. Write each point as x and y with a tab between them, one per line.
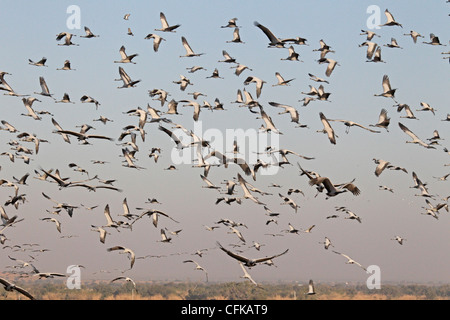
94	136
389	16
380	167
163	235
9	223
352	188
163	19
88	31
346	256
126	210
108	215
132	281
415	178
298	155
164	214
102	234
328	185
245	167
236	35
330	68
132	257
124	76
272	257
340	253
209	183
170	133
226	55
9	126
186	261
329	130
247	275
378	54
7	86
46	196
4	282
291	50
31	110
259	85
313	90
386	84
156	43
371	49
279	105
232	254
407	131
383	116
73	133
58	224
24	292
223	159
127	156
238	233
115	248
43	84
192	261
186	46
268	33
279	77
364	268
60	36
122	52
363	127
54	274
267	120
116	279
243	185
321	90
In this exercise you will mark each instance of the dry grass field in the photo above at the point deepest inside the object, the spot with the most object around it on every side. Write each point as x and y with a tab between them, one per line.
57	290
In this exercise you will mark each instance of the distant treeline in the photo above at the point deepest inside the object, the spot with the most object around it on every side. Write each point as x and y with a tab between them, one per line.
56	290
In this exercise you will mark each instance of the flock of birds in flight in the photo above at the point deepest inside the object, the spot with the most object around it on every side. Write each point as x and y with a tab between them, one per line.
213	158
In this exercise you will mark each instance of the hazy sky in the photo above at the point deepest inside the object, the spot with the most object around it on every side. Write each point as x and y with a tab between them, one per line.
417	70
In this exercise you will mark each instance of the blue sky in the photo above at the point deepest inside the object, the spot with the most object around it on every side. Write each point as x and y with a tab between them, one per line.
418	71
